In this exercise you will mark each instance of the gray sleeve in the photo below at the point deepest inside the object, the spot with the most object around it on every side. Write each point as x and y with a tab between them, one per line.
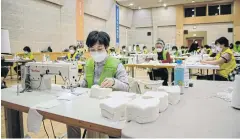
121	79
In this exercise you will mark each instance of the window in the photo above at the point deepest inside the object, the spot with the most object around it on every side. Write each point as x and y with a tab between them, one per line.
213	10
226	9
189	12
200	11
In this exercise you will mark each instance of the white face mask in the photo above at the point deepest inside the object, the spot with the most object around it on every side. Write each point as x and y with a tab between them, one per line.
25	52
71	51
159	49
219	49
99	56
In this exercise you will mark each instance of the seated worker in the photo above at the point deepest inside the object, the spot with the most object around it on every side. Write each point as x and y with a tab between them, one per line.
4	73
154	51
101	69
124	51
207	50
163	57
236	47
183	50
81	50
138	50
200	50
112	51
175	51
27	56
145	51
225	59
74	55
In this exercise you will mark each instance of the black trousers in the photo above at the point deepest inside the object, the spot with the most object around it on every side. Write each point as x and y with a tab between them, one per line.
159	74
4	71
19	70
210	77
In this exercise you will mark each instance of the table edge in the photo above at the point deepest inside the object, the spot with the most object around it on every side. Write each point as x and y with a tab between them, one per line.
66	120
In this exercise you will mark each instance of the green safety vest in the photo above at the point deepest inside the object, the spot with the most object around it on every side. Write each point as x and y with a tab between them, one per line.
176	53
109	70
164	55
236	48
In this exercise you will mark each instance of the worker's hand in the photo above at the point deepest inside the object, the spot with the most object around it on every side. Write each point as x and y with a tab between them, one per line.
108	83
203	62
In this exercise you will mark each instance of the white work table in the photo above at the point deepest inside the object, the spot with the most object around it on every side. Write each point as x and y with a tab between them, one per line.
82	111
199	114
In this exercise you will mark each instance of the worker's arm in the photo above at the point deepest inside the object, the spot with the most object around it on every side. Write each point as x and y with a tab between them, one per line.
121	79
223	59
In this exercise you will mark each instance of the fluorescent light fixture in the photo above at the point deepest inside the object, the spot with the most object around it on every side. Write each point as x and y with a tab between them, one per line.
139	8
193	1
131	4
164	4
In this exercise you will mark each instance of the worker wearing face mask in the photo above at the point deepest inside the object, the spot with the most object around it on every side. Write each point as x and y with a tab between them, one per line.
74	55
27	56
102	69
225	59
145	51
163	57
175	51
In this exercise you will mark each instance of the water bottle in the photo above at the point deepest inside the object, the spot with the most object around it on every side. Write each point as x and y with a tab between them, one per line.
179	75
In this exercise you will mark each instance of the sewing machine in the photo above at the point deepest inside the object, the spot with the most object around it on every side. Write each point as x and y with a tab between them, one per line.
38	75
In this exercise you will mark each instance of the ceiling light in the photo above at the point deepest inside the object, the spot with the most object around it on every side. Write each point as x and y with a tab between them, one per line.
164	4
131	4
139	8
193	1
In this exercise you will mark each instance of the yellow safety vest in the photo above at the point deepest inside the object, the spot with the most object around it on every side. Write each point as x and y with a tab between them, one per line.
73	58
29	56
226	68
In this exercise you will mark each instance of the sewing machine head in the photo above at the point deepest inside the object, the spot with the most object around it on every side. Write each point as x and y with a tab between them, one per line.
38	75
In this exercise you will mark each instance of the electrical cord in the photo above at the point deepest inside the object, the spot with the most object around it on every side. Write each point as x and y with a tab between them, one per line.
52	129
45	129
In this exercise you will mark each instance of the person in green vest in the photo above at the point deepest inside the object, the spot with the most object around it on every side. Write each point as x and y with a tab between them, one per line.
154	51
225	59
183	50
236	47
163	57
74	55
101	69
145	51
175	51
27	56
138	50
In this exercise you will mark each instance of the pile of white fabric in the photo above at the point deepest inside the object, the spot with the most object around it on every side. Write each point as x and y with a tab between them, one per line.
98	92
143	108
